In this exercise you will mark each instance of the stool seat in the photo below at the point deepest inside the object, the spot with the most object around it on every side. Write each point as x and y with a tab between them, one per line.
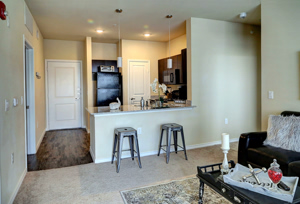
125	131
171	127
119	134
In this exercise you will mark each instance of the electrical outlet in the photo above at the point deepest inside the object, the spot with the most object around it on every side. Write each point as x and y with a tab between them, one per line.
226	121
139	130
12	158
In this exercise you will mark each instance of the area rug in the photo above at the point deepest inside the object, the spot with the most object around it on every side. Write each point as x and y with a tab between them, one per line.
175	192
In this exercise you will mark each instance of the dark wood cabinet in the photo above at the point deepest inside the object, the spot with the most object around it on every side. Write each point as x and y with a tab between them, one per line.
161	68
174	62
176	75
184	65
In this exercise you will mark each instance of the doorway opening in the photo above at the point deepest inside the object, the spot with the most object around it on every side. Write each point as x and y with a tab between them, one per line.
29	98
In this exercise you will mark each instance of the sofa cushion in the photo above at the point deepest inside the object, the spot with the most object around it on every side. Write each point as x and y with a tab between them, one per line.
294	169
284	132
264	155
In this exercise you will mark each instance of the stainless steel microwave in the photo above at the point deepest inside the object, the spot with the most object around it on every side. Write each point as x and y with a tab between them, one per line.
171	76
105	68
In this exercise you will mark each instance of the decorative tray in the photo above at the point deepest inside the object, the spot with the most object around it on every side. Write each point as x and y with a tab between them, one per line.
234	177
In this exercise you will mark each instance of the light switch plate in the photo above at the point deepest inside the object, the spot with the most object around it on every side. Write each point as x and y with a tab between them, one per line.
6	105
15	102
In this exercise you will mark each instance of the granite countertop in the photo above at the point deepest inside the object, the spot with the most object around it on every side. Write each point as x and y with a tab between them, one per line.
126	109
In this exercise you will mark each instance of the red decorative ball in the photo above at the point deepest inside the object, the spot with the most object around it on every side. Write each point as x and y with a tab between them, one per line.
275	176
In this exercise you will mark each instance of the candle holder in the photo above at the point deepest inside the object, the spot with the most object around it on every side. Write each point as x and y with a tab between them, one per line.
225	147
225	167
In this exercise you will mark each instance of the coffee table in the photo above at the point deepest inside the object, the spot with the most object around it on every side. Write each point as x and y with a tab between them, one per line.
211	176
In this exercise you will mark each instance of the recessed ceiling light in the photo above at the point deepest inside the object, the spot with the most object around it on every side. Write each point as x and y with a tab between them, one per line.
147	34
100	31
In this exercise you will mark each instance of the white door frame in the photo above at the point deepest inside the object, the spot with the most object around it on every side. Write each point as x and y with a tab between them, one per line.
47	91
128	74
29	91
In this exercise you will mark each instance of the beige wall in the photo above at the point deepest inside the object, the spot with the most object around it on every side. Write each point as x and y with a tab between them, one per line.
68	50
176	45
280	57
12	123
104	51
89	82
224	71
144	50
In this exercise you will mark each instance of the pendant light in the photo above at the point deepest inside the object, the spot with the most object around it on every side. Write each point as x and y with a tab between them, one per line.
119	62
169	60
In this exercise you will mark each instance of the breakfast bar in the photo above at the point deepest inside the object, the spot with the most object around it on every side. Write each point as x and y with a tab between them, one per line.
147	120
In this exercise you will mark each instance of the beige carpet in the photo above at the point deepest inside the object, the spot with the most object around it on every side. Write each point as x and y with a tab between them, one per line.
99	183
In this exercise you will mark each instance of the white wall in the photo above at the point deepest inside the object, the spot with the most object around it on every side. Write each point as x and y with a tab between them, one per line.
12	123
223	68
280	57
104	51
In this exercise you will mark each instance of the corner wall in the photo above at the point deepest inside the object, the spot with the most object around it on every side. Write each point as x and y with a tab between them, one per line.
12	123
223	69
280	57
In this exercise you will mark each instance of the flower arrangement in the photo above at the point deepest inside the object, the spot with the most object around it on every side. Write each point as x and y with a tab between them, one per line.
154	88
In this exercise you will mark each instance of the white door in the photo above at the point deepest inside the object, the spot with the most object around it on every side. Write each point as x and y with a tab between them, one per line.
139	80
64	103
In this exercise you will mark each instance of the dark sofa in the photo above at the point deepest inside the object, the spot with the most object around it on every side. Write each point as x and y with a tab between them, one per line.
252	151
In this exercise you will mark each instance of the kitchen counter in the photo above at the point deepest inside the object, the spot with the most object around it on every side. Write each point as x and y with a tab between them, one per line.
128	109
148	120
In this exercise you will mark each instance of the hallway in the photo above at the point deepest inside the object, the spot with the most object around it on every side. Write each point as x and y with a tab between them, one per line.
61	148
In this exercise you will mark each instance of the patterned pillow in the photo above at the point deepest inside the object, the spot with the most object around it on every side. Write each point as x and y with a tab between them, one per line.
284	132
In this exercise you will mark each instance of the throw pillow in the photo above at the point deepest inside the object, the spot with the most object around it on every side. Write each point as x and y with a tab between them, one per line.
284	132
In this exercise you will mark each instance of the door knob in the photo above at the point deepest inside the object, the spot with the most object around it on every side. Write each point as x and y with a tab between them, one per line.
77	98
132	98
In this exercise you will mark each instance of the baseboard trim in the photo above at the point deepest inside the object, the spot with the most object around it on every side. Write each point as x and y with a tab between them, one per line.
40	140
87	130
93	155
172	149
11	200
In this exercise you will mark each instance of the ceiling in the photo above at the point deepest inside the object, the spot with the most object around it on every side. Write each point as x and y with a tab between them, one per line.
76	19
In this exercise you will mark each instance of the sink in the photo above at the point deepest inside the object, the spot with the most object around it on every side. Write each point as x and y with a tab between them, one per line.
160	107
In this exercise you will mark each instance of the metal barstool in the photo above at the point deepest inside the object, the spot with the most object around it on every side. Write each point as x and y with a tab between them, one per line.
120	133
172	127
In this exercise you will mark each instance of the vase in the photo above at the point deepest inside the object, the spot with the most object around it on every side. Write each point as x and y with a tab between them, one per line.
158	104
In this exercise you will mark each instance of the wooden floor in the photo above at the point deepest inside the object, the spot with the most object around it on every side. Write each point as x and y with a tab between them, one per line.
61	148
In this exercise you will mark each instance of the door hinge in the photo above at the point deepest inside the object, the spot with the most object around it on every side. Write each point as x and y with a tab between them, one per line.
27	107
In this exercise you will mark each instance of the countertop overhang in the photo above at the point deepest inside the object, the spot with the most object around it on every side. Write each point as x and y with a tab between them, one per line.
133	109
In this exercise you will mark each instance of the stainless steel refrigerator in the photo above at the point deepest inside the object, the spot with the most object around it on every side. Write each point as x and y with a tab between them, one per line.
109	87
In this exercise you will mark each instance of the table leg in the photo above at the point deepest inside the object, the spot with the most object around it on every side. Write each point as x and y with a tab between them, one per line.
201	192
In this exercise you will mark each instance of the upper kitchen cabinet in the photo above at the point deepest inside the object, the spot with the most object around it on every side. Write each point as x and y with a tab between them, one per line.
176	75
162	66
